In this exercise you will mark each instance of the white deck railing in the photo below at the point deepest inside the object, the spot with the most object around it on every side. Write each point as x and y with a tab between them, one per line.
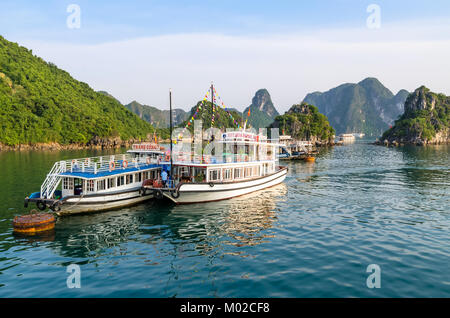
91	165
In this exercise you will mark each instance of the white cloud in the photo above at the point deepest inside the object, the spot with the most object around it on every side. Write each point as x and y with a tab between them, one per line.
288	65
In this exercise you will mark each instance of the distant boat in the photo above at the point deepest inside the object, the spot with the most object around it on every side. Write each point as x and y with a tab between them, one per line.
347	138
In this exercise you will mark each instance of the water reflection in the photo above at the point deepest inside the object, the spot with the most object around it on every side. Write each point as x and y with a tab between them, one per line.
237	222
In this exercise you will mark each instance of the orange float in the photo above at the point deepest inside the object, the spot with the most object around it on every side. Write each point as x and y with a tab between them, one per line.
31	224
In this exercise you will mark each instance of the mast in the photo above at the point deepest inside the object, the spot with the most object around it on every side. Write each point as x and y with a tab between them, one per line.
170	115
212	100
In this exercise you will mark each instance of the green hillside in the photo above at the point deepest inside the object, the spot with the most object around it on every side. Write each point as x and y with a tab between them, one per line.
222	119
426	119
366	107
41	103
304	122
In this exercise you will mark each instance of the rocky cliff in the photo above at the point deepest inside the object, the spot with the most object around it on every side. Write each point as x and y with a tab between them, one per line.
366	107
304	122
426	120
262	110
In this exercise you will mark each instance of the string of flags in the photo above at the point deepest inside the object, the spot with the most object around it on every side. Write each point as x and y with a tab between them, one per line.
214	115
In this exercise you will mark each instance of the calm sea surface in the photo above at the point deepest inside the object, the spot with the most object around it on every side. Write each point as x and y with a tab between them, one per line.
312	236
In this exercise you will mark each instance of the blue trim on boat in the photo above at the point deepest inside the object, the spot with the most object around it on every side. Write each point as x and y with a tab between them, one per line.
89	172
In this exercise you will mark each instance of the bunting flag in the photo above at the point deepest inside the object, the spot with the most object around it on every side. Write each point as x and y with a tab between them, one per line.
214	115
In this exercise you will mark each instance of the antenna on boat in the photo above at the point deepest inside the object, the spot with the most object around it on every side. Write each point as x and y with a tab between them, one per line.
170	115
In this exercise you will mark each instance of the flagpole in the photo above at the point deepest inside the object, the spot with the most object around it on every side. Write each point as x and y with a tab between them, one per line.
170	114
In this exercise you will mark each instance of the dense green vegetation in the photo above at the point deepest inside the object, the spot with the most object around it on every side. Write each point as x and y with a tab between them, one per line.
42	103
222	119
426	114
366	107
304	122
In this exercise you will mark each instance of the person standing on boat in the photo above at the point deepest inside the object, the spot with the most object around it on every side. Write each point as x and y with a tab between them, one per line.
164	178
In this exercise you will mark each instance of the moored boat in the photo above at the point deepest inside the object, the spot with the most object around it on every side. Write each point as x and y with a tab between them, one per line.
251	166
99	183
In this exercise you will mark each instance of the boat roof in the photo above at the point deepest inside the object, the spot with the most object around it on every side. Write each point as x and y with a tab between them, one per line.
89	174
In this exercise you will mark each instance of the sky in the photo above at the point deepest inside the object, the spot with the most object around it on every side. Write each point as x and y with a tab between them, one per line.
137	50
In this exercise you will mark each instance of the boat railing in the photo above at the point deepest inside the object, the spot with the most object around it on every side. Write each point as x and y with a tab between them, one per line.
52	180
107	163
225	158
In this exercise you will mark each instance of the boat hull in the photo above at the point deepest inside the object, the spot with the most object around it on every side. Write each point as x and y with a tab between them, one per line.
204	192
102	202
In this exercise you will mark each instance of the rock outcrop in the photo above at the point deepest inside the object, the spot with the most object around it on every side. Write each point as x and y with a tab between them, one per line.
426	120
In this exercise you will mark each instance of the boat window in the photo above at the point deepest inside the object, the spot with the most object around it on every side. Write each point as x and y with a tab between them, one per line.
226	174
68	184
238	173
214	175
138	177
111	183
185	171
129	178
255	171
120	181
101	185
90	185
247	172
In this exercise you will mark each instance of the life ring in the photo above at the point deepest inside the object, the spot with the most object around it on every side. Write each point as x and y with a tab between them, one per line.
86	162
158	194
175	193
112	165
211	184
125	164
41	205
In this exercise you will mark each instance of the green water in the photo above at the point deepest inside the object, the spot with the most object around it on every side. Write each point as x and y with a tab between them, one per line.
312	236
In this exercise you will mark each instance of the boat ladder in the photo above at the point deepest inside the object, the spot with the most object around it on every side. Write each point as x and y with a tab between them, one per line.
52	180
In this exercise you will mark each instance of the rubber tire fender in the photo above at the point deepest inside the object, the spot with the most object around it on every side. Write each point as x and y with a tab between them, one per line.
158	194
175	194
41	205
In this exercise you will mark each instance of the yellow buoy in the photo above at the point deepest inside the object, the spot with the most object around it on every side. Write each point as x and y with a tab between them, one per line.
33	223
310	159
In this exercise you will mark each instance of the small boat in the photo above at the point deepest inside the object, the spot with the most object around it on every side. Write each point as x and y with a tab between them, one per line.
99	183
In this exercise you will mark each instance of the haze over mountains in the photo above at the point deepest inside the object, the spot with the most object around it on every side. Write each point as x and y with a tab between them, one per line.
156	117
41	103
366	107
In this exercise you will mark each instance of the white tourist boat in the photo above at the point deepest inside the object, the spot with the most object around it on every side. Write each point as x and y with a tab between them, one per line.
99	183
251	165
346	138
